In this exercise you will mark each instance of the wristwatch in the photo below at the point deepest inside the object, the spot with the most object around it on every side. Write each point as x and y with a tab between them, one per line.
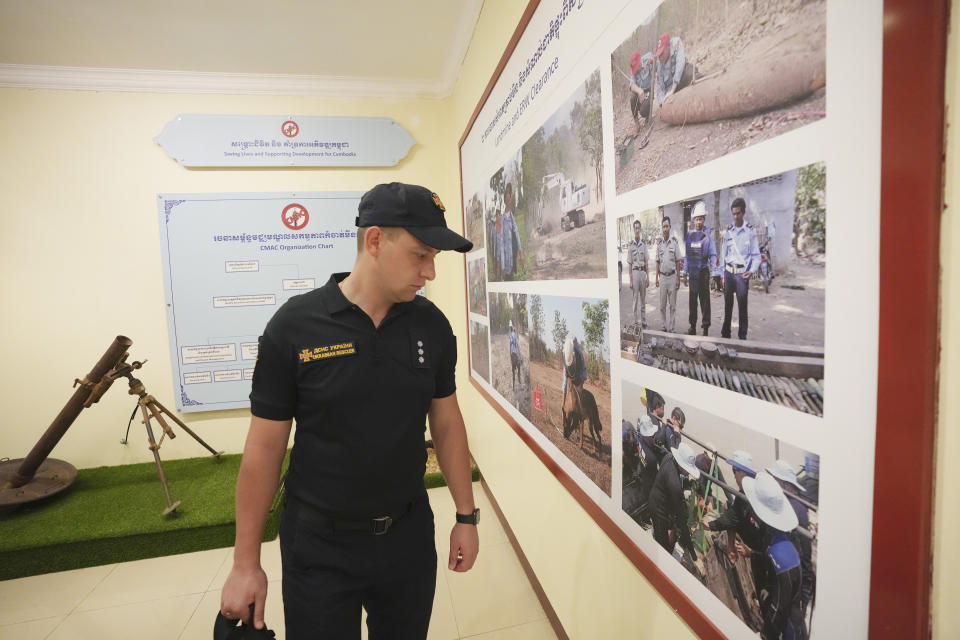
471	518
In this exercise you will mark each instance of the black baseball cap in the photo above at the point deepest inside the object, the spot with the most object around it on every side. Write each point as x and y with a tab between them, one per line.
416	209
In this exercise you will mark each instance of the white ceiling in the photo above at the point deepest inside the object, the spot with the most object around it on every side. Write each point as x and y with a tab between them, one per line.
309	47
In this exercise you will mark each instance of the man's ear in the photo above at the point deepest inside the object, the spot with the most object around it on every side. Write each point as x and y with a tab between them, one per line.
373	241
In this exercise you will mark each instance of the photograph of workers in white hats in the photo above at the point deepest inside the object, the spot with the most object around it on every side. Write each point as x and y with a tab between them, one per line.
480	349
473	225
510	348
736	508
507	223
743	322
698	79
570	380
477	286
563	190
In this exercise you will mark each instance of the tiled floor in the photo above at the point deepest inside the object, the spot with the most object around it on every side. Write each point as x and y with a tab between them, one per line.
177	597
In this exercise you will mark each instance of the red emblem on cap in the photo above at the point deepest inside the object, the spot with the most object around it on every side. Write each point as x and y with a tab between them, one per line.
436	201
290	129
295	216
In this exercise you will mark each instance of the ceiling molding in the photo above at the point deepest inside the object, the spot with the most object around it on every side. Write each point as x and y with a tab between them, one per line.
469	17
148	81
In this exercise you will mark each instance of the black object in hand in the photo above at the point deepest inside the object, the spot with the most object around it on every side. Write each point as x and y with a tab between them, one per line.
226	629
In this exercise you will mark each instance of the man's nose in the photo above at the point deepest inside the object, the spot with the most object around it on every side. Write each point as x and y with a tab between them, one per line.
430	269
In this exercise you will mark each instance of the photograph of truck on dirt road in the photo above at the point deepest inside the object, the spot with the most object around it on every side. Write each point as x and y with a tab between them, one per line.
562	196
570	380
702	78
751	288
737	509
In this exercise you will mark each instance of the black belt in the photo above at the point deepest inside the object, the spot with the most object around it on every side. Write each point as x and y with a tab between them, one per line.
376	526
667	273
639	269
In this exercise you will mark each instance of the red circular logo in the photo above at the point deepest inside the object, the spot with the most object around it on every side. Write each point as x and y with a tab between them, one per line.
290	129
295	216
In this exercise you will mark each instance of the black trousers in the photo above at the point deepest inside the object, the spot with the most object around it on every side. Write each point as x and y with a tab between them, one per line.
700	290
328	576
735	285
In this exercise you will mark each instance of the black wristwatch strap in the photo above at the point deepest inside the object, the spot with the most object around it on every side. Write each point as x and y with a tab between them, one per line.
472	518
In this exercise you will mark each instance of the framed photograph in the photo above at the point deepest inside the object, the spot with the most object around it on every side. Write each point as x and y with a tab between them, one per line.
698	240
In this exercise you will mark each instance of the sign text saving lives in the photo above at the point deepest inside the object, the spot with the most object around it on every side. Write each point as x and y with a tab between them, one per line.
553	33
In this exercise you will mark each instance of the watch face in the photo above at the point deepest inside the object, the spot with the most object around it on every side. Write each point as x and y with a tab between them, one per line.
473	518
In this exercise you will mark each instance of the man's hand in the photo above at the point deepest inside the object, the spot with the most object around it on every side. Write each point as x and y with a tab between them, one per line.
242	587
743	549
658	281
631	283
520	257
746	276
464	547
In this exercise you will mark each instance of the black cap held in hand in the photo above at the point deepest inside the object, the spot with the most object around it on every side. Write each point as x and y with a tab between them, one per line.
416	209
226	629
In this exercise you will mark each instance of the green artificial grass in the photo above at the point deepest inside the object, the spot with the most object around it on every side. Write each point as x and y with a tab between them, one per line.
114	514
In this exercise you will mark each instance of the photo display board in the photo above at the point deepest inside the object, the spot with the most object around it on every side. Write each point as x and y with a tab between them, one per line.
229	261
655	307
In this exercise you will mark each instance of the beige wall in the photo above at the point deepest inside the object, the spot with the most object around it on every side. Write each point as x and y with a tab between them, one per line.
946	542
81	263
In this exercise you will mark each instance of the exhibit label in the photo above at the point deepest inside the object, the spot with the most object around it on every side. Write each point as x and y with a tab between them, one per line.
211	140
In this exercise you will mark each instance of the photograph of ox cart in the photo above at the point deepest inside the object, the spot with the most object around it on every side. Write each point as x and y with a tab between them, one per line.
728	287
698	79
569	373
737	509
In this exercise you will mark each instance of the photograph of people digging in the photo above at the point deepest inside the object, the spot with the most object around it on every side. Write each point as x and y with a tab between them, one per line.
737	509
562	202
510	348
749	285
570	380
702	78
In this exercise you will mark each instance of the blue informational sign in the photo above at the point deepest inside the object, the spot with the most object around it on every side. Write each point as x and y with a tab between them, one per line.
229	261
209	140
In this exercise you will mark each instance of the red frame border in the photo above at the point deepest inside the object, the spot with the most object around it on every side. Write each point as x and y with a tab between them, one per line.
914	46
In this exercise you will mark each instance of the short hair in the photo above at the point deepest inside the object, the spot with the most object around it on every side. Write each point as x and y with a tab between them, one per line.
636	223
667	220
655	402
678	414
390	232
738	203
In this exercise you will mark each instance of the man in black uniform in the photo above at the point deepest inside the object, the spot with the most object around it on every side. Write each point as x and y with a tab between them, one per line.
648	456
785	475
360	363
777	571
669	435
739	520
667	504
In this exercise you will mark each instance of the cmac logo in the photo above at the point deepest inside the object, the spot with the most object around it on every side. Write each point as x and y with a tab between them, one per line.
295	216
290	129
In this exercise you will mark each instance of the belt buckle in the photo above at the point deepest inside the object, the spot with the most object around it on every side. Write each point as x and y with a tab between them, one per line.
381	525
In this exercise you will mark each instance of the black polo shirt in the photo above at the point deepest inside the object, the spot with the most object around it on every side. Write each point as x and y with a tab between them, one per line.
359	394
